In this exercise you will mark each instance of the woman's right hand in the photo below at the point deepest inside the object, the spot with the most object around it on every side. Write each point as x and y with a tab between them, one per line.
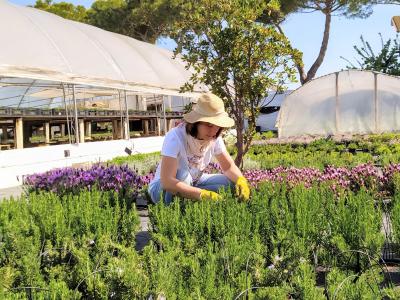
209	195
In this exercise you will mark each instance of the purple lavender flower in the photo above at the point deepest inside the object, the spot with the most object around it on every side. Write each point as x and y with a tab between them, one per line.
363	176
70	180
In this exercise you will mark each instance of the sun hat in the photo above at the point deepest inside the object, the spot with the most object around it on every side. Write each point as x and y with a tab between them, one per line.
209	108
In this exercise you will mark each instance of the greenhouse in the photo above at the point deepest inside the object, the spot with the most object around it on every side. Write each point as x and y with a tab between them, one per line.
43	46
47	62
61	80
346	102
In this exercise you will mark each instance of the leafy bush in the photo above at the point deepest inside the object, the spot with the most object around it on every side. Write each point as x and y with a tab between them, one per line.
70	247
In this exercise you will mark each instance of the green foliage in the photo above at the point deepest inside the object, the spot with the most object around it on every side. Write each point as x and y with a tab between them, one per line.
63	9
141	163
142	20
188	108
211	245
304	281
274	243
356	224
264	135
82	246
69	247
386	61
281	155
348	285
381	149
329	9
229	51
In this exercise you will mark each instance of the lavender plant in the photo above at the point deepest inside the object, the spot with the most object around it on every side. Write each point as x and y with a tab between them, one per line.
120	179
364	176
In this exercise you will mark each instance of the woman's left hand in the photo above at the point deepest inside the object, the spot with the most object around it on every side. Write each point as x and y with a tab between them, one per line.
242	188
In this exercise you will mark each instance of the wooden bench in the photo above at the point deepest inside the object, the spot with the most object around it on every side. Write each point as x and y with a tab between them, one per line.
5	146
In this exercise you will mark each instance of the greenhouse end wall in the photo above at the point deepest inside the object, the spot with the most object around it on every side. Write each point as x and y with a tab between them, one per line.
347	102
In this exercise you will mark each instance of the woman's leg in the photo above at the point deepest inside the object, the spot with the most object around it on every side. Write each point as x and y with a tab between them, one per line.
213	182
156	189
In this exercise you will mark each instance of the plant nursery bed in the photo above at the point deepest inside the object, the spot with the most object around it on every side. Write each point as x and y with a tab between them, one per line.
392	275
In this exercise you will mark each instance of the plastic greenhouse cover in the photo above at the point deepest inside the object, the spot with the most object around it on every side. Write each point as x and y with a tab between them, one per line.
41	94
43	46
346	102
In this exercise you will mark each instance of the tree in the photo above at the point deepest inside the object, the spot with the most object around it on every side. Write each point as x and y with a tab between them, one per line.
240	59
347	8
63	9
386	61
145	20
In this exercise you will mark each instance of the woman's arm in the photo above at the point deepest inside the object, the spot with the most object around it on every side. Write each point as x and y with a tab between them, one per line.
169	167
228	166
230	169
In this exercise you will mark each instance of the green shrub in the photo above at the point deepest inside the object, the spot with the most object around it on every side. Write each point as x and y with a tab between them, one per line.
70	247
346	285
82	246
273	242
355	223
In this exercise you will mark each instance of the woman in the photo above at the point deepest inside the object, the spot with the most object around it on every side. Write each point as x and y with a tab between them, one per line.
187	151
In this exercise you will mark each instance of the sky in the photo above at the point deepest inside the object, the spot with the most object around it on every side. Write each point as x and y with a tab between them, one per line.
304	30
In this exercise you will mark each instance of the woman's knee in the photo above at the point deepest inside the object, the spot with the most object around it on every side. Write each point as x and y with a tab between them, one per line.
157	192
154	191
216	180
225	180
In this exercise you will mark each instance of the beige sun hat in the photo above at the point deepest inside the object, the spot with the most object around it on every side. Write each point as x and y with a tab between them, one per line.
209	108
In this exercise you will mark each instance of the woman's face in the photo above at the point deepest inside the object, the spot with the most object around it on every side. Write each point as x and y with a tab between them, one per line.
207	131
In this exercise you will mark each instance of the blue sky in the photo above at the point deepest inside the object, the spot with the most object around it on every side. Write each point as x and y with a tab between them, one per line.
305	33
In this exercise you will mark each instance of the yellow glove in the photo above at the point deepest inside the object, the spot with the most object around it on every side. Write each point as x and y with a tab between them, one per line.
242	188
210	195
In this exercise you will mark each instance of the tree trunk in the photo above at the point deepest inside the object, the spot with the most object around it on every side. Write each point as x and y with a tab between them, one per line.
239	144
322	51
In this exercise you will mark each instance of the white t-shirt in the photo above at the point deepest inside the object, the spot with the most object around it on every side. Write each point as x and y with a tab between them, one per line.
174	146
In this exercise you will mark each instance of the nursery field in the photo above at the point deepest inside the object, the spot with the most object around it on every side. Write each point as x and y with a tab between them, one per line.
323	222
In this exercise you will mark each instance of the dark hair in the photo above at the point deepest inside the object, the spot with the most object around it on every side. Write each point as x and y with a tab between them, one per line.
191	128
